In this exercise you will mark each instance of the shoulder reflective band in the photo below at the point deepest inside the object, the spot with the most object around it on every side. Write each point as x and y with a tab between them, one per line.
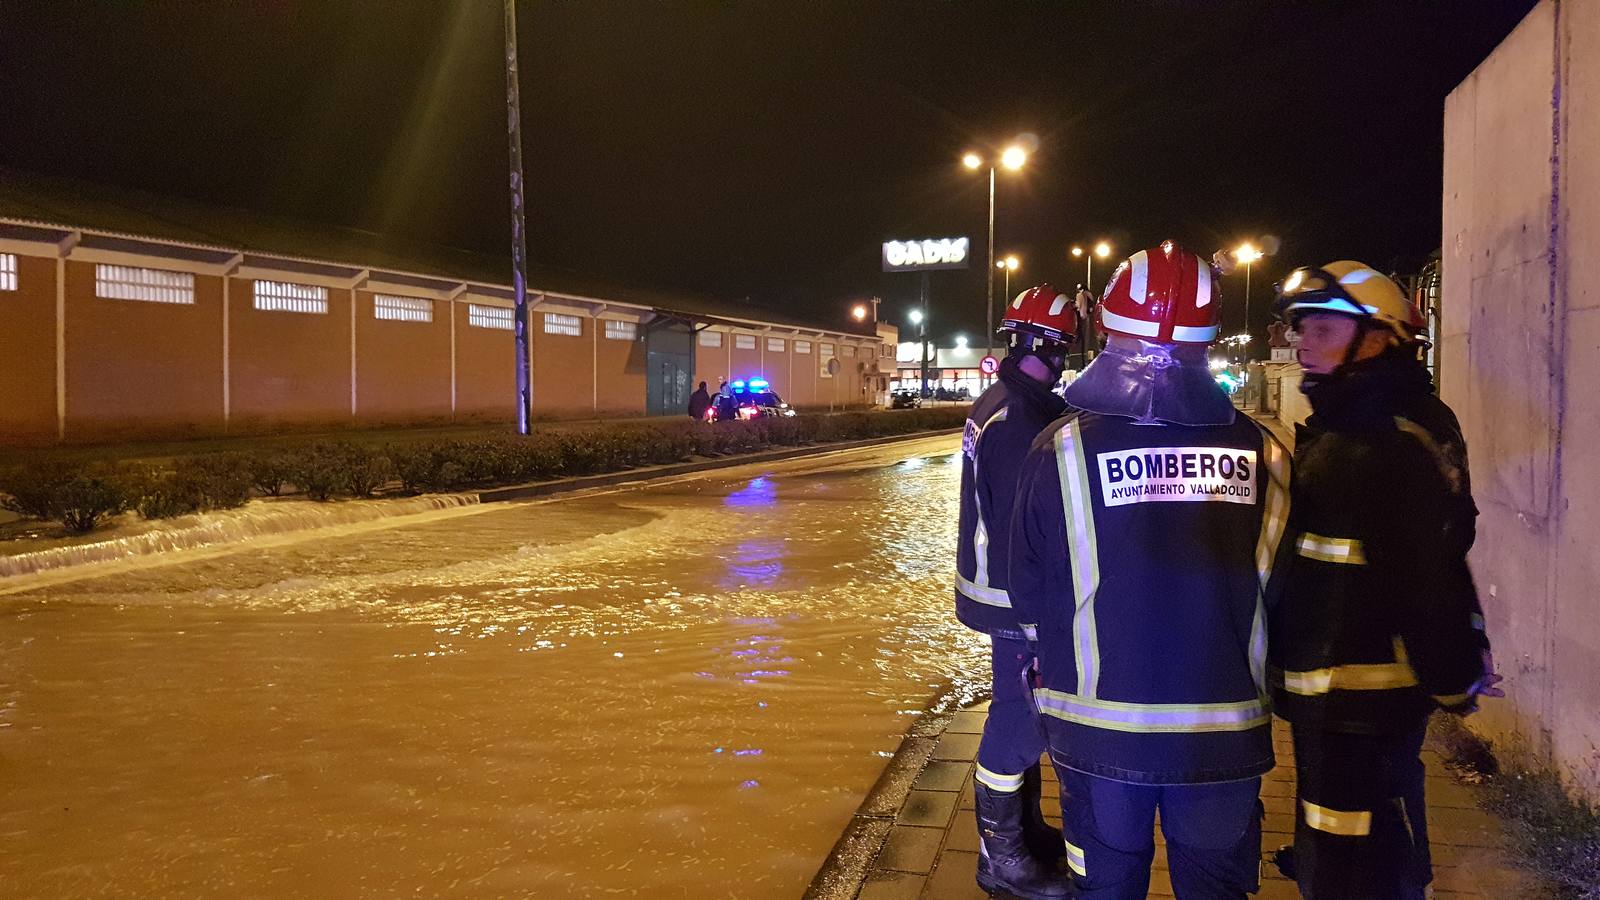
1274	520
994	781
1333	821
1085	555
1153	718
1075	859
1332	549
984	594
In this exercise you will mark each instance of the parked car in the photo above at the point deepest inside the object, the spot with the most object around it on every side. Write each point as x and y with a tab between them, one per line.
904	398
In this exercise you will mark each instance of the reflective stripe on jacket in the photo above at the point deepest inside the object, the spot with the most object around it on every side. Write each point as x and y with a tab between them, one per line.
1147	555
1000	428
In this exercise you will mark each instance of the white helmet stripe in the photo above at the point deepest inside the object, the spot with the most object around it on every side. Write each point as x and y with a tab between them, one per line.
1128	326
1202	289
1189	334
1017	303
1059	304
1139	284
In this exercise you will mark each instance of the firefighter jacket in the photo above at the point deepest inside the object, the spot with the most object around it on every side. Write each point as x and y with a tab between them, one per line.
1003	423
1144	557
1379	619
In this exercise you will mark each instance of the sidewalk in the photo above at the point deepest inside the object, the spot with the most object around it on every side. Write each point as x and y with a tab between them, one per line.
931	848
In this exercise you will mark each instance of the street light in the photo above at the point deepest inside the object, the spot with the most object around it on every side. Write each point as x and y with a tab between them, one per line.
1102	250
1247	254
919	319
1013	158
1007	265
859	312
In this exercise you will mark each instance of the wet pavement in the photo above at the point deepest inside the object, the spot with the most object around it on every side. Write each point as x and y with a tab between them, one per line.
930	851
677	689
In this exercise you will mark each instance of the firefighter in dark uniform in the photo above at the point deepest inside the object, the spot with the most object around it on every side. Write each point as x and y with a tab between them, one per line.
1143	546
1019	850
1379	623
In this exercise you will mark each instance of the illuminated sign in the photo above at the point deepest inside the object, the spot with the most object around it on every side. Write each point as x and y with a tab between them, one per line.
925	255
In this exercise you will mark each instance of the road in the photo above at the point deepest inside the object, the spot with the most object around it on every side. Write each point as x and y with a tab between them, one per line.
677	689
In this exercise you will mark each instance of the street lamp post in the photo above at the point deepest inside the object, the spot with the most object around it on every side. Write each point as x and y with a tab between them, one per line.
1012	158
1102	250
1007	265
519	245
1247	254
919	319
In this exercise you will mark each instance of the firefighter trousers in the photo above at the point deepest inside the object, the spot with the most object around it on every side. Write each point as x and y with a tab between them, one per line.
1213	834
1013	738
1361	829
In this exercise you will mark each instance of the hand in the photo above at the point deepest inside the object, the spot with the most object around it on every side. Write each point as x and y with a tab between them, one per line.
1486	684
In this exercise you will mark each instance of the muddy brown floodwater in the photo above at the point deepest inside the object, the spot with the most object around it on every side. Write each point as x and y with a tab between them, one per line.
679	689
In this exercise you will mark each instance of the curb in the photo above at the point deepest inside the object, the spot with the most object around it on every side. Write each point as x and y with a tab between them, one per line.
847	865
647	473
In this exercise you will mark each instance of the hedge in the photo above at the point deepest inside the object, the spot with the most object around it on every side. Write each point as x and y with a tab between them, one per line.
81	497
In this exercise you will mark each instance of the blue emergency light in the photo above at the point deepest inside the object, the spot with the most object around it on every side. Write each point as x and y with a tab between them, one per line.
738	386
758	385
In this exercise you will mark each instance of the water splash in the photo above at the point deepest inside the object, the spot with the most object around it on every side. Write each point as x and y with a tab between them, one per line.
258	519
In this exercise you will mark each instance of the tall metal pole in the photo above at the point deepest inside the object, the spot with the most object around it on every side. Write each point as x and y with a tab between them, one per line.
519	249
1247	309
989	305
922	332
1088	272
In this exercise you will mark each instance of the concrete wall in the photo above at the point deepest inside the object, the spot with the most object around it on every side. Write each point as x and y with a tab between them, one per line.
1520	358
288	367
402	367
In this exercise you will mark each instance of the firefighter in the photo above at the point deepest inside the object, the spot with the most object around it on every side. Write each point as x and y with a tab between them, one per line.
1379	623
1019	850
1146	527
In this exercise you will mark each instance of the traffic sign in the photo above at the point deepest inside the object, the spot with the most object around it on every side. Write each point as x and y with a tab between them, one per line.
990	365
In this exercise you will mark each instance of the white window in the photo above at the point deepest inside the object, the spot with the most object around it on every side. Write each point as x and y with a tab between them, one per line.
500	318
774	345
849	349
8	271
827	351
621	331
283	296
888	351
802	346
556	323
150	285
402	309
710	338
744	341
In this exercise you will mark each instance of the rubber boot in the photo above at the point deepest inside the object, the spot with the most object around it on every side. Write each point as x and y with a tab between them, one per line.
1043	839
1004	863
1283	858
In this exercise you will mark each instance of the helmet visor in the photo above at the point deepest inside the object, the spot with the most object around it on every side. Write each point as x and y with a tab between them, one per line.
1310	289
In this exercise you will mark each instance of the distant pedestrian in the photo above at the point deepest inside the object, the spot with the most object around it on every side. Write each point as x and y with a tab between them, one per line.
699	402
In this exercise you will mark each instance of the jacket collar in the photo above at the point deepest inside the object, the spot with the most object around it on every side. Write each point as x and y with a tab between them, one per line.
1025	386
1368	394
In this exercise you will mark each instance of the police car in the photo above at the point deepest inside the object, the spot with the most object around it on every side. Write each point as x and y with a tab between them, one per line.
753	399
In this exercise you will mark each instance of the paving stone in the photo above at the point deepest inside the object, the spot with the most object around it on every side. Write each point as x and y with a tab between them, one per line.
958	747
943	776
1282	806
1160	883
892	886
1277	889
932	808
954	878
967	721
963	833
968	799
910	849
1447	793
1277	788
1278	824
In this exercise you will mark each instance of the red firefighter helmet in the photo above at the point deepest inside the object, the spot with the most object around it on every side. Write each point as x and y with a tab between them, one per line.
1165	294
1042	312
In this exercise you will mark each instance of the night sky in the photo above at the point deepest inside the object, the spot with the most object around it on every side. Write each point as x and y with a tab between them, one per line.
766	149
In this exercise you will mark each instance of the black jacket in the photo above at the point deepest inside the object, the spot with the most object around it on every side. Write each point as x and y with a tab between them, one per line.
1001	425
1379	620
699	402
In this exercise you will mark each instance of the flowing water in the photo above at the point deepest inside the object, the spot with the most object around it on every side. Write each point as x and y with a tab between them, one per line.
680	689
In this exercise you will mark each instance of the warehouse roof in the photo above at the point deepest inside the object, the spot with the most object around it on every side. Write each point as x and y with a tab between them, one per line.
70	204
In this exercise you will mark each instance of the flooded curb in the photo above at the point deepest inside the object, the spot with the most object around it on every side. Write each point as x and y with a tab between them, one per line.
845	870
608	479
310	516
